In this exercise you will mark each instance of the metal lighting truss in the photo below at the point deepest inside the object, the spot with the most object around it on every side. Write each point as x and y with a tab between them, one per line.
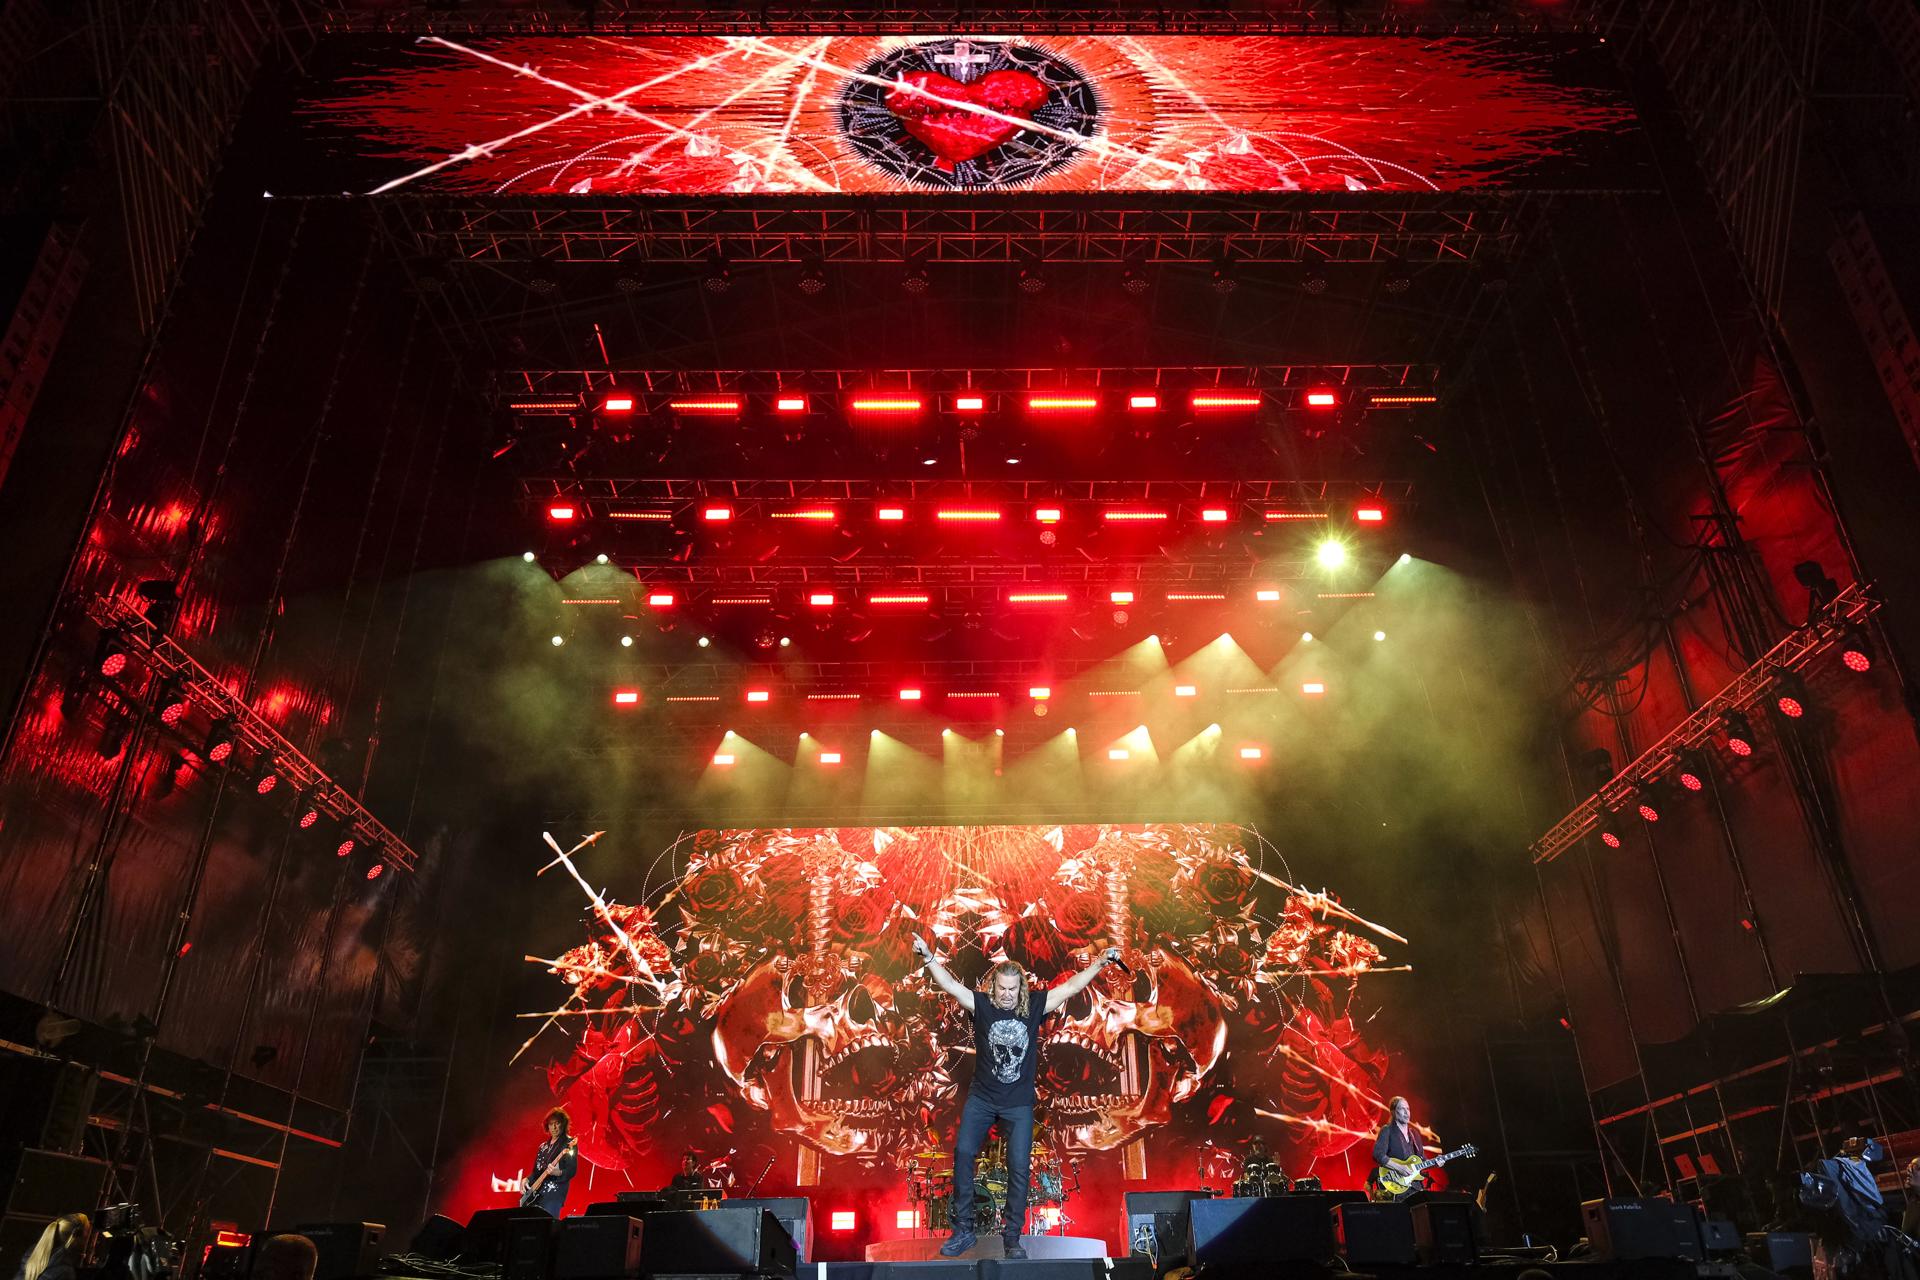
534	392
1801	646
1135	231
167	659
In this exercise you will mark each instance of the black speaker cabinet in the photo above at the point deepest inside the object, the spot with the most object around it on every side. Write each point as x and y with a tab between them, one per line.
1043	1269
600	1247
47	1184
1166	1239
642	1203
346	1249
708	1241
440	1238
530	1244
1790	1253
1143	1207
795	1213
1629	1229
1244	1233
1443	1229
487	1233
1373	1235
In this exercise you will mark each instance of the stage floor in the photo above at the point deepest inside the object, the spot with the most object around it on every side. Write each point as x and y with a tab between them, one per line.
927	1249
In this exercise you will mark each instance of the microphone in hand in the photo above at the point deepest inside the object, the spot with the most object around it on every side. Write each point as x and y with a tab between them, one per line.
1113	958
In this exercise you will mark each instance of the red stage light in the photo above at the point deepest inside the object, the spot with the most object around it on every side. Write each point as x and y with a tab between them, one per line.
1856	659
266	783
1132	516
705	404
891	513
344	848
1062	404
1398	398
1040	693
740	600
1649	811
906	1219
617	404
639	515
1691	780
1790	706
1047	515
626	697
790	404
818	515
969	404
1177	597
1143	400
113	661
821	599
1037	597
977	515
1370	515
843	1219
894	404
174	705
713	515
1214	515
660	599
909	695
1271	516
308	817
561	511
829	757
1611	839
377	870
1119	597
1217	400
898	599
1322	399
758	695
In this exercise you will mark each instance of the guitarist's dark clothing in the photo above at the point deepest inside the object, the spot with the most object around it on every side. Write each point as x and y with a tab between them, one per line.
552	1195
1394	1145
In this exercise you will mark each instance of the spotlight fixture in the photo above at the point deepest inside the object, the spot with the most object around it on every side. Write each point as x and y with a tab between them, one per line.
1031	281
717	279
1739	732
812	280
219	744
1222	280
171	702
1599	766
1692	771
1398	280
1315	282
1331	554
163	602
1812	575
1610	834
1651	801
113	736
266	776
110	657
1134	282
1855	649
1790	695
309	813
915	280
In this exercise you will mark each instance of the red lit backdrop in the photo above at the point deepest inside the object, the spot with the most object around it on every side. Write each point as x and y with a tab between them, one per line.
763	1000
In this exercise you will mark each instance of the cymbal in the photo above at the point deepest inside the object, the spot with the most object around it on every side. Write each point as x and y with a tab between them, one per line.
931	1155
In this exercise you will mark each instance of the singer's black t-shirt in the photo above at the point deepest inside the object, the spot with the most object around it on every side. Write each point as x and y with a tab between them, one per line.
1006	1050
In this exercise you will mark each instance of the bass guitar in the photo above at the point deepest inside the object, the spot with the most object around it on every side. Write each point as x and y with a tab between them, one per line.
534	1184
1398	1181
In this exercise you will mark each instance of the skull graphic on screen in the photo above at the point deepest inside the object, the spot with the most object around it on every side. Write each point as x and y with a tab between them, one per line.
1007	1042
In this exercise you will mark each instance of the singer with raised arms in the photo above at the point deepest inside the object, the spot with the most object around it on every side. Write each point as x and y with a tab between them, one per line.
1006	1039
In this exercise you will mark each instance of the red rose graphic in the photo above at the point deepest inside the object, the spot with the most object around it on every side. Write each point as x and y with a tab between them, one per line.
861	917
1079	916
714	890
1222	886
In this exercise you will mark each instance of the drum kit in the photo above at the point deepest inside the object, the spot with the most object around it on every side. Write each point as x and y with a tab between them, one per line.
1249	1172
1050	1181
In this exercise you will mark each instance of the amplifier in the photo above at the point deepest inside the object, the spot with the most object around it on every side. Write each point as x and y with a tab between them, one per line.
1628	1229
600	1247
487	1229
708	1241
346	1249
1143	1210
440	1238
47	1184
1789	1253
530	1248
795	1213
1375	1234
1443	1229
1247	1233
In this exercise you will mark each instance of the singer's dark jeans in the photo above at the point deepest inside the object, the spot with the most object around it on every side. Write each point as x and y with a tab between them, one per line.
976	1121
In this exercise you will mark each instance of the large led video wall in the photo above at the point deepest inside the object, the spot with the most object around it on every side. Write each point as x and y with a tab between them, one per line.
838	115
751	997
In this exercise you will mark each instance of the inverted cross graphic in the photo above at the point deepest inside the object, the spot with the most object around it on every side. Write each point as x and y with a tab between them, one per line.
962	60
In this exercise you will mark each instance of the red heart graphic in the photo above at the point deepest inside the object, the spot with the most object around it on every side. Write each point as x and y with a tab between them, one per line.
953	133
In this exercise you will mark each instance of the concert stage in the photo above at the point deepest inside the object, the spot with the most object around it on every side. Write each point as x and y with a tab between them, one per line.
1104	1268
990	1248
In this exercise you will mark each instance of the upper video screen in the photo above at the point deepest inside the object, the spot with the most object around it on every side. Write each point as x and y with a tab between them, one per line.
855	115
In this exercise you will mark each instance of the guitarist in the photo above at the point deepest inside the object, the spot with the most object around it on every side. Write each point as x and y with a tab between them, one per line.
554	1165
1397	1148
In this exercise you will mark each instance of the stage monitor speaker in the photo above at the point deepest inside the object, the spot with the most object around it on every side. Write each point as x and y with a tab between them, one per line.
1443	1229
1165	1240
1375	1234
346	1249
440	1238
795	1213
1628	1229
1789	1253
711	1241
1245	1233
642	1203
1130	1269
600	1247
1718	1237
487	1229
1043	1269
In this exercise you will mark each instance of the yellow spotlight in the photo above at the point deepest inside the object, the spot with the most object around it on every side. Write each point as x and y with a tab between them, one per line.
1331	553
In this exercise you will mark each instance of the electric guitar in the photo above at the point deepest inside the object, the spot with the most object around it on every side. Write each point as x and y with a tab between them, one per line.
1398	1181
532	1189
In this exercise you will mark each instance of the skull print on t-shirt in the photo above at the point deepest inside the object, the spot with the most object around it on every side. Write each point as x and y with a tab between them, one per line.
1005	1048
